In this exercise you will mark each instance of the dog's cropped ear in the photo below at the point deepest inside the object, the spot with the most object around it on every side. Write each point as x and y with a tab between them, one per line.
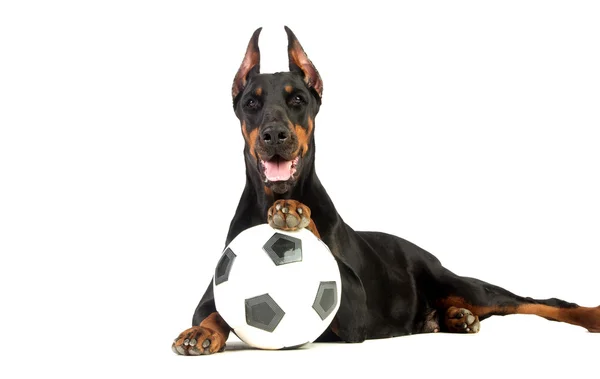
299	62
250	65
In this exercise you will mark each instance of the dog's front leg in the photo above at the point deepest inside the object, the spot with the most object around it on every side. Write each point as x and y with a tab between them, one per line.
350	321
209	333
207	338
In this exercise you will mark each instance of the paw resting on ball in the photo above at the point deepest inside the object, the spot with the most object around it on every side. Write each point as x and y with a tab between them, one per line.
288	215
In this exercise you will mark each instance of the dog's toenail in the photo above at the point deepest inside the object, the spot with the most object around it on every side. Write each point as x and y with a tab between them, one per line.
461	315
463	325
186	342
468	329
278	206
193	342
206	343
299	210
284	210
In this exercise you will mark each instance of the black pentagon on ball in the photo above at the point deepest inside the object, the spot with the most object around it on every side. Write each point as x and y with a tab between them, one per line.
283	249
326	299
224	266
262	312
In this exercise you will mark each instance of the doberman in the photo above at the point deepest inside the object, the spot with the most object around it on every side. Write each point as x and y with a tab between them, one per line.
390	287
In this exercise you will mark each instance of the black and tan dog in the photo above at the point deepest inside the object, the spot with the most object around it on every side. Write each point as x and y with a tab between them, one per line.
390	287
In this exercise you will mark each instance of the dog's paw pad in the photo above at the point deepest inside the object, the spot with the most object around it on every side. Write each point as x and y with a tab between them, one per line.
461	320
278	221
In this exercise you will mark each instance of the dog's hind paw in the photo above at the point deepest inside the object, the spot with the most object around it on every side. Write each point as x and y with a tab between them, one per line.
288	215
461	320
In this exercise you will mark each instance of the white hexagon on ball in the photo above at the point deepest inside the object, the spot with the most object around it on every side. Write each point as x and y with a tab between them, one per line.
277	289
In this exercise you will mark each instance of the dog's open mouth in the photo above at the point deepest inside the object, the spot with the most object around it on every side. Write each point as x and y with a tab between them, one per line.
278	169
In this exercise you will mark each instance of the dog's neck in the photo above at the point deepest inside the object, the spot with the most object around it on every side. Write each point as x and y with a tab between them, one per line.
256	200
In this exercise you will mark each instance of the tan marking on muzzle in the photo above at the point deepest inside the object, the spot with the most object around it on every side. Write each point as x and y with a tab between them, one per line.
302	140
250	138
303	137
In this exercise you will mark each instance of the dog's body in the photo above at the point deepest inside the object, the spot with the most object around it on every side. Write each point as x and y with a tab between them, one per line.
390	287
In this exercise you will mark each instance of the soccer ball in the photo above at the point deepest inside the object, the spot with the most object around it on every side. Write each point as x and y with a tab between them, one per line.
277	289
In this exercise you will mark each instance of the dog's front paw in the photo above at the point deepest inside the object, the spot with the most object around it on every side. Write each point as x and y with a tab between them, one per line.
198	340
288	215
461	320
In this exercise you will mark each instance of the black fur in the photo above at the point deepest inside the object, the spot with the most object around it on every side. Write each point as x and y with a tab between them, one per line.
391	287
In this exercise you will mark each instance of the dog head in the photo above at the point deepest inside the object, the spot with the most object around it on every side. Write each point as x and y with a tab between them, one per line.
277	115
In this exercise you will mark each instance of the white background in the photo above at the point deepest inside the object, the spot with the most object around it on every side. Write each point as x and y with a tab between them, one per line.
469	128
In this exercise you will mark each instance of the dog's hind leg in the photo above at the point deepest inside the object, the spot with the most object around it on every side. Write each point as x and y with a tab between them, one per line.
464	301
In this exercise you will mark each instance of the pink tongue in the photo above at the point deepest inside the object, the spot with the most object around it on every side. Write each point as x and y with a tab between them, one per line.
277	170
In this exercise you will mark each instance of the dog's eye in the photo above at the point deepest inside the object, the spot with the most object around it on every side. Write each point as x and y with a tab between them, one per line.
297	101
252	104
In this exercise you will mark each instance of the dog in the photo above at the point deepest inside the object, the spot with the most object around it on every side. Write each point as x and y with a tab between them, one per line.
390	286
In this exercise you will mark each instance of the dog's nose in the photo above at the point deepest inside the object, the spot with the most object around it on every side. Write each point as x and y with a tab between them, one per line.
276	134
